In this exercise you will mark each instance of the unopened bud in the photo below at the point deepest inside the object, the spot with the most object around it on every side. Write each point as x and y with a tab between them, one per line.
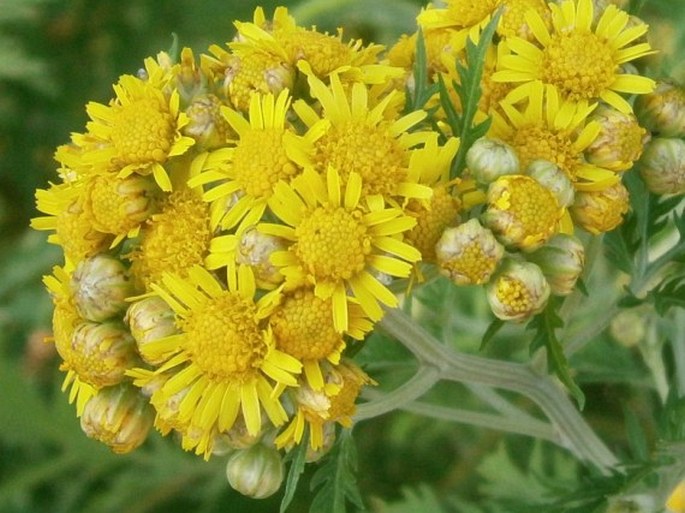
620	140
101	285
561	260
552	178
207	125
119	417
488	159
628	327
663	166
521	212
600	211
518	291
101	353
150	319
469	253
663	110
255	249
256	472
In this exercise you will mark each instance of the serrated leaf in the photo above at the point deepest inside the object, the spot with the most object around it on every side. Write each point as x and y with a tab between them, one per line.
336	480
421	498
545	325
670	293
297	459
423	90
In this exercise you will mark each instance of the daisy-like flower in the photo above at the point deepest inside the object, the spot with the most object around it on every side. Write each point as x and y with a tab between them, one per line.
223	358
361	140
555	130
138	132
268	151
317	409
303	328
340	240
581	61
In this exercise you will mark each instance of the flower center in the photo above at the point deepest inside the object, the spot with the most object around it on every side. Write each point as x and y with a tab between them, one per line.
223	338
472	265
260	161
371	151
579	64
515	295
537	142
432	221
143	131
324	53
513	22
332	243
303	327
466	13
176	238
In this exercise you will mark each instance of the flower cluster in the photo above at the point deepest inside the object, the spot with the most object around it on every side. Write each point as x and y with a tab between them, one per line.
232	223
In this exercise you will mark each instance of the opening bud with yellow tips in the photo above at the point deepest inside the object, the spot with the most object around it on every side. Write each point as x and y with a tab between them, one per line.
150	319
600	211
101	285
119	417
488	159
207	125
469	253
663	110
551	176
561	260
256	472
663	166
518	291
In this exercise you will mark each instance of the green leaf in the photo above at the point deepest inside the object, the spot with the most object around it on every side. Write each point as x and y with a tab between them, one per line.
422	498
335	478
423	90
670	293
636	435
469	91
296	457
545	325
492	330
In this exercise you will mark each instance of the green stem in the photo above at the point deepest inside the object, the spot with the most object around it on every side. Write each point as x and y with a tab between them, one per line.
574	432
678	345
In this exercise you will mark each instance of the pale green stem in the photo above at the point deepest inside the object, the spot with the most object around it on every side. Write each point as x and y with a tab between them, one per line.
678	344
496	401
532	427
574	432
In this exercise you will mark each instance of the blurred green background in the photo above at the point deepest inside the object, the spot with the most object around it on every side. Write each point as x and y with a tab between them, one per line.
54	57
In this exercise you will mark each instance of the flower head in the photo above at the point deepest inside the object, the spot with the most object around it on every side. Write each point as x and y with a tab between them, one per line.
601	211
663	110
663	166
518	291
581	62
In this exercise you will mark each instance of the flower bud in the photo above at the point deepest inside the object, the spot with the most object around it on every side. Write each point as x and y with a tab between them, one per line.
119	205
256	472
552	178
255	249
521	212
663	110
628	327
101	353
101	285
620	140
488	159
150	319
561	261
207	125
469	253
518	291
663	166
600	211
119	417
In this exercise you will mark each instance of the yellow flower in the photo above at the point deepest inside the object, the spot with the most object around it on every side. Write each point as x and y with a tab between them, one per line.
340	239
317	409
222	359
267	151
518	291
579	61
138	132
361	140
551	129
303	328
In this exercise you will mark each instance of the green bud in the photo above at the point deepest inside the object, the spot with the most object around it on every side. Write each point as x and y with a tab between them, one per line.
561	260
119	417
469	253
552	178
150	319
101	285
628	328
256	472
101	353
518	291
488	159
663	166
663	110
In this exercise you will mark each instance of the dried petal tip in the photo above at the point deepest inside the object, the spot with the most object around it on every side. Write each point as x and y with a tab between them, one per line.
488	159
256	472
518	291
